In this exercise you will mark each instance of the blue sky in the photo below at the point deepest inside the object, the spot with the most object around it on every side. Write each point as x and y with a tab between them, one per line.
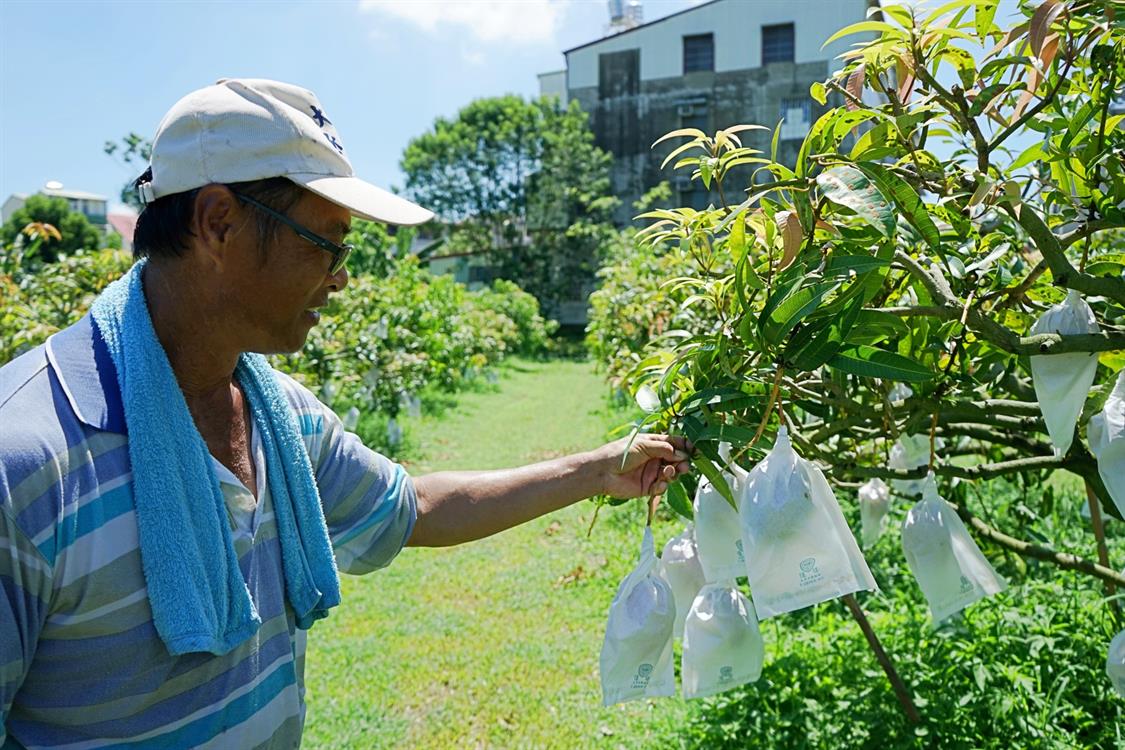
75	74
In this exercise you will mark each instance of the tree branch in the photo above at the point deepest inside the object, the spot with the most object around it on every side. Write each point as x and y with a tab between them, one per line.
1064	273
982	471
1053	343
940	291
1088	228
1063	560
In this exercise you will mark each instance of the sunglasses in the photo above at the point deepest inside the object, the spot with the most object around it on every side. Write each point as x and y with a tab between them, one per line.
339	252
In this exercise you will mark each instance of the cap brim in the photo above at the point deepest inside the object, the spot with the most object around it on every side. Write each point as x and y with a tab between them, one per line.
364	199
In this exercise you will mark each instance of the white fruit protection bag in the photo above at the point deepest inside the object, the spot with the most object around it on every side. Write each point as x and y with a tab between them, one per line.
799	549
1062	381
910	452
680	567
636	658
1115	663
1106	433
723	645
717	531
949	567
874	502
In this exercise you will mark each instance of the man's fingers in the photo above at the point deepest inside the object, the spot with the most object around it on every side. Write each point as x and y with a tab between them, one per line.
649	475
670	448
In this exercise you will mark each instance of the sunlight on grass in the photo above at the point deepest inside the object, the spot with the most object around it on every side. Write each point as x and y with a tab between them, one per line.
494	643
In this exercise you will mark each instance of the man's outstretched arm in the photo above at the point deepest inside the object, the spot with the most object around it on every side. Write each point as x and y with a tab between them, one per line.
460	506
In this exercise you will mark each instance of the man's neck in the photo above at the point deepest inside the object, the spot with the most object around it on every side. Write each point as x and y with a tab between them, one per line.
190	327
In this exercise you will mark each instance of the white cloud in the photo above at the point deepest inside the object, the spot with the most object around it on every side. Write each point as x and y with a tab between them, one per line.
518	21
472	57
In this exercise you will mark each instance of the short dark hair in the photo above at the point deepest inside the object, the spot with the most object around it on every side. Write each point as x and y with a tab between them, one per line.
164	226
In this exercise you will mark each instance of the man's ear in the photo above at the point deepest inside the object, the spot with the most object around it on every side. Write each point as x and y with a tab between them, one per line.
218	220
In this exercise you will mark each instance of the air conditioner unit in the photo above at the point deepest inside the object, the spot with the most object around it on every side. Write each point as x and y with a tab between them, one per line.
685	110
682	183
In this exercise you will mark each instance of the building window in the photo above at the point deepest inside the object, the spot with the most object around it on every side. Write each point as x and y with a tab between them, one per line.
699	53
797	116
619	74
777	43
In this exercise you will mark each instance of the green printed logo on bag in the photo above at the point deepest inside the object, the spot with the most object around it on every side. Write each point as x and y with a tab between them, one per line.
644	672
810	574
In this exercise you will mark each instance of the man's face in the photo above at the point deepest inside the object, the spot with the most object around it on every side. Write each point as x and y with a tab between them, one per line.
276	297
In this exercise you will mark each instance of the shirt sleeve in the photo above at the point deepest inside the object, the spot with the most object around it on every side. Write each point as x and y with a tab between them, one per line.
368	500
25	593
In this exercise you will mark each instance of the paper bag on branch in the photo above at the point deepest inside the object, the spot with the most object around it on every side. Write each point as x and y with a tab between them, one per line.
799	549
911	452
636	658
1115	663
680	567
1062	381
1106	433
874	502
716	526
949	567
723	645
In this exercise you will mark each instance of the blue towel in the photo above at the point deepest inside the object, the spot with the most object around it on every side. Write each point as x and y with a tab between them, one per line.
198	596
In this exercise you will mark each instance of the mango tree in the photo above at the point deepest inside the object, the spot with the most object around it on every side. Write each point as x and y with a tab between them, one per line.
970	179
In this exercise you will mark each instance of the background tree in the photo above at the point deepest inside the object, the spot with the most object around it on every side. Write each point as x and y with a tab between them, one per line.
522	181
133	152
74	229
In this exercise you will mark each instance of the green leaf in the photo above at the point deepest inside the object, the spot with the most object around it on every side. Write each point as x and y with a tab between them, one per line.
707	466
677	151
879	26
982	100
869	362
827	342
1034	152
843	265
738	237
795	307
678	500
705	172
783	287
818	93
695	133
728	433
882	321
983	19
911	206
849	187
720	400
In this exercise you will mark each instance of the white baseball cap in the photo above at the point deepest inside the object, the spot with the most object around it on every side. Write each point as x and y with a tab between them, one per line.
244	129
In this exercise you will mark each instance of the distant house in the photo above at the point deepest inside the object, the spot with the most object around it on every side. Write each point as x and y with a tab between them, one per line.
92	205
124	224
718	64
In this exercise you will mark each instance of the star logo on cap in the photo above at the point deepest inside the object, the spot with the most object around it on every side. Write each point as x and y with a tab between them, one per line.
319	117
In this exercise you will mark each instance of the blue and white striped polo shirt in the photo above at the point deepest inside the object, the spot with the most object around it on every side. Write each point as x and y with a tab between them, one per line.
81	664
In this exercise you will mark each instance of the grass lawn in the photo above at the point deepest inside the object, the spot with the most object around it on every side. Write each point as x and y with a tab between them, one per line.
495	643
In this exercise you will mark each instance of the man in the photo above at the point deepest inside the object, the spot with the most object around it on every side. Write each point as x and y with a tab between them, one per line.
248	198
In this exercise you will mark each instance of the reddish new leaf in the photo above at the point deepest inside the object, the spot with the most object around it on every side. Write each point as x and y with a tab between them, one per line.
855	87
1041	21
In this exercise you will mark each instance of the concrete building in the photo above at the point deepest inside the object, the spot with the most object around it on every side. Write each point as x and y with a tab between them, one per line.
721	63
90	204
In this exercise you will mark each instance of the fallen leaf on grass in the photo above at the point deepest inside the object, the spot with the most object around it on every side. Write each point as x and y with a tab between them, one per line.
574	575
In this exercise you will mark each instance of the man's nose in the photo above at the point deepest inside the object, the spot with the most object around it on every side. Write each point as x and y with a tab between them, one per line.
338	281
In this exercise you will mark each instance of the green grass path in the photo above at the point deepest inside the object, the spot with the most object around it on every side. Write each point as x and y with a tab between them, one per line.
494	643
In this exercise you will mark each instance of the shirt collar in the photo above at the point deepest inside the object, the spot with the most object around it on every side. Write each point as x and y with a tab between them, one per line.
81	361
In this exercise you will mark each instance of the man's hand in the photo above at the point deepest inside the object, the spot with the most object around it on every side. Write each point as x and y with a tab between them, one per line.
652	461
